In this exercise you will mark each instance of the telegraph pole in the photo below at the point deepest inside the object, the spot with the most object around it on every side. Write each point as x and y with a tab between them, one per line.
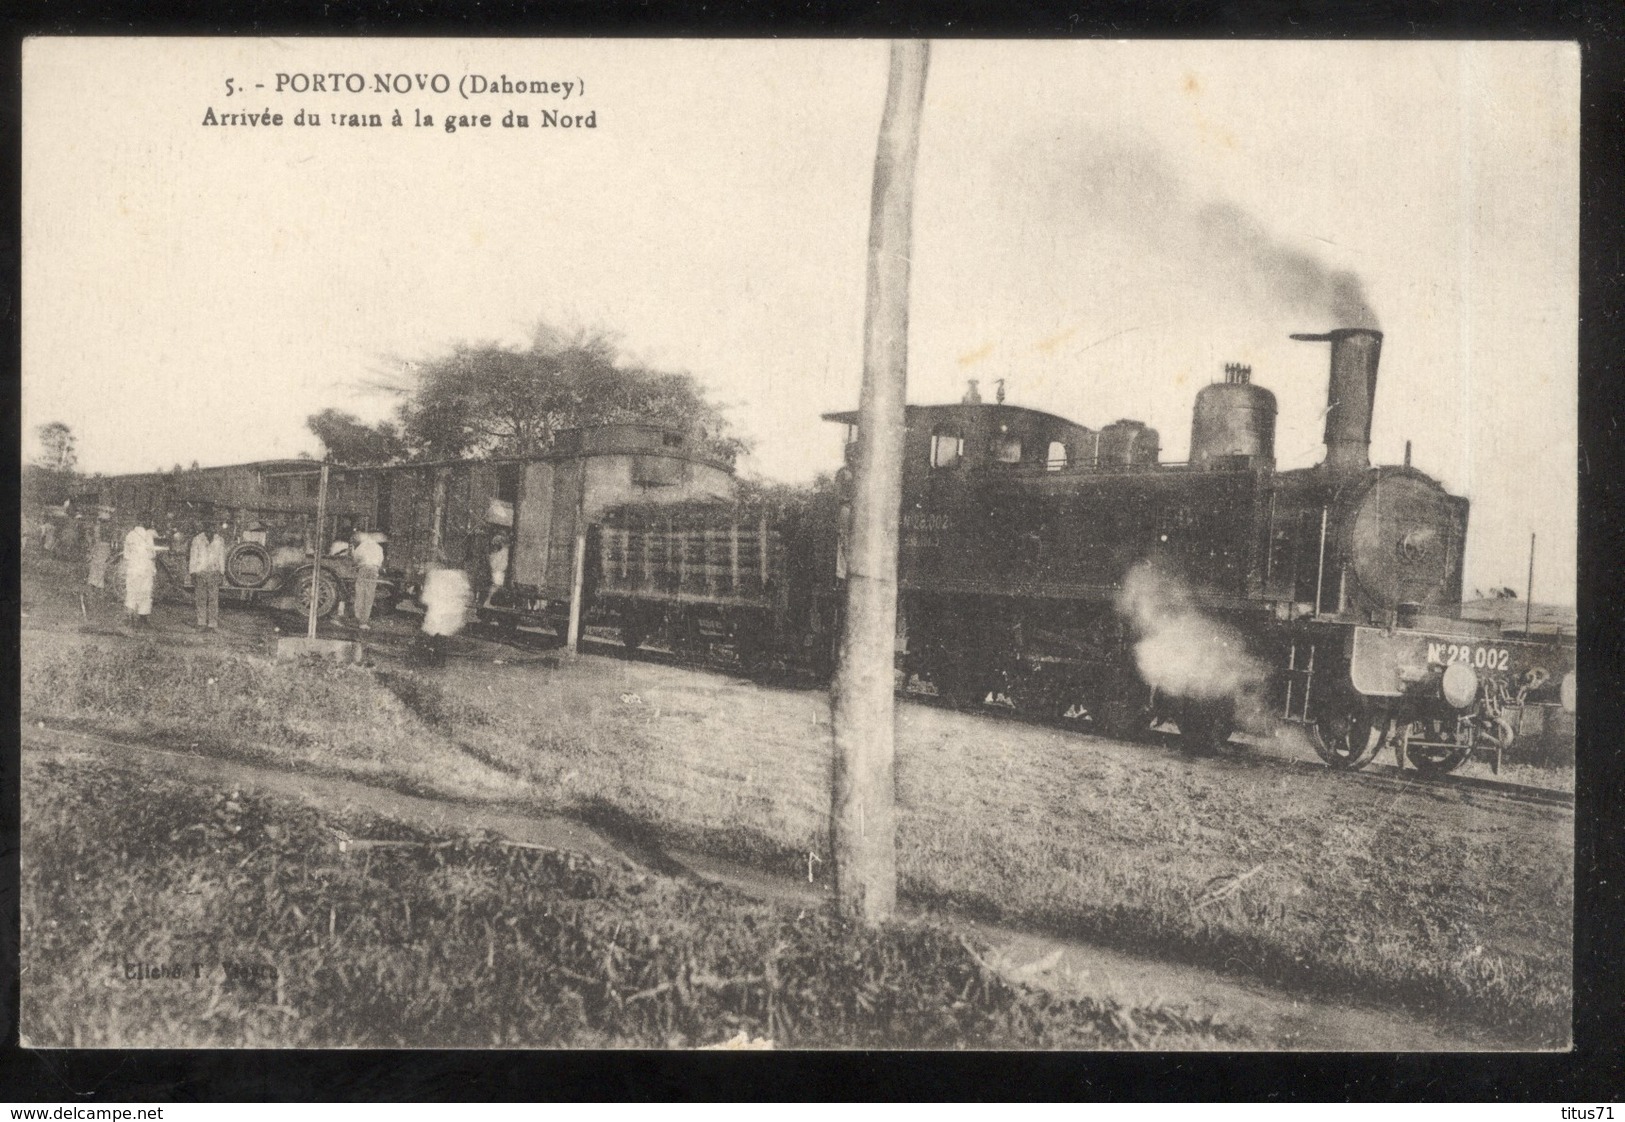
321	536
863	820
1529	589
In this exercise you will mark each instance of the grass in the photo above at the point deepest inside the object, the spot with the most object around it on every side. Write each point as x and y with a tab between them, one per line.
157	913
1463	911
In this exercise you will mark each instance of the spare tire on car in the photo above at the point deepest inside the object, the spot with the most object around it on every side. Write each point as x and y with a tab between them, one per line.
248	565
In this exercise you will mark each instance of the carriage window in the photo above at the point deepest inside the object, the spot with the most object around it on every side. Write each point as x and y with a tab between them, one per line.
1007	449
507	482
672	439
1058	457
947	448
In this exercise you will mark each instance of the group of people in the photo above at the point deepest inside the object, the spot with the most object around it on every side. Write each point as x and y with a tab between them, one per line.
206	569
446	590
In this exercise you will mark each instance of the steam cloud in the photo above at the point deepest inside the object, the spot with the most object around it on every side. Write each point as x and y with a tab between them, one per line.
1183	652
1214	242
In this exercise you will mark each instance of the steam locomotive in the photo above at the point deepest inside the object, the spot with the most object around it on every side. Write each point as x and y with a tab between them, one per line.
1058	568
1043	564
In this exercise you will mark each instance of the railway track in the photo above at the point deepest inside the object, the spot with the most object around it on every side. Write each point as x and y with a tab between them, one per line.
1384	776
1389	776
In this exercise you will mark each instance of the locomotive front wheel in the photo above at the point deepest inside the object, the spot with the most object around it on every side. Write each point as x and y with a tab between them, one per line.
1432	758
1347	739
1205	726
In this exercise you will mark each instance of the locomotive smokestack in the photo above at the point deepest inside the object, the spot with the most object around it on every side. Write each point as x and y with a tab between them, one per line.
1350	395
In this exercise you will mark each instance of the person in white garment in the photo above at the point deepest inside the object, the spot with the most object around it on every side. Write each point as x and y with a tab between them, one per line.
141	551
498	559
446	596
369	561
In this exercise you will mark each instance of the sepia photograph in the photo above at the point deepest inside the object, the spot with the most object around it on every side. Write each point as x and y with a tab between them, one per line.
799	544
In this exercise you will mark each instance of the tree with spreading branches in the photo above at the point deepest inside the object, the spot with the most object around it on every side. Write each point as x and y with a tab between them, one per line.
348	440
488	399
49	477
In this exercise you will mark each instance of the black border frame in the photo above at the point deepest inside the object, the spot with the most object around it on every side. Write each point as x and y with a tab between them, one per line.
1593	1072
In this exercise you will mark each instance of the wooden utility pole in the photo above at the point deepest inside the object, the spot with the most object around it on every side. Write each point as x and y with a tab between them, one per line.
316	568
1529	589
578	567
863	821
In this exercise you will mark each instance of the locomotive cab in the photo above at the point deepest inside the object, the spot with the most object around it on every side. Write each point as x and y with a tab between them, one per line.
942	441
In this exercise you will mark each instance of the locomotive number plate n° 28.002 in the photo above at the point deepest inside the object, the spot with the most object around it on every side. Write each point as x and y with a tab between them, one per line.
1479	658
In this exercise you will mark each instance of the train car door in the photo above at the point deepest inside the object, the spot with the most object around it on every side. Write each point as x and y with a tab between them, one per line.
533	525
383	517
561	538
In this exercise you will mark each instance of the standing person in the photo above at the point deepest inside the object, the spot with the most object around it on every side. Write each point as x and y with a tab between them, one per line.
207	566
369	560
101	550
445	599
140	568
499	566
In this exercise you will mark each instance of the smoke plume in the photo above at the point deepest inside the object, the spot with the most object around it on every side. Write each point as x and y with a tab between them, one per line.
1213	242
1183	652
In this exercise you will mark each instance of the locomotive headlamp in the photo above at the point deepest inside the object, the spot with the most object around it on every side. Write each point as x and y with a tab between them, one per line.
1459	685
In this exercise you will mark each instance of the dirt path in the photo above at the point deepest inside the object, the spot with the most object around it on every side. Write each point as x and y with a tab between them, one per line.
1277	1019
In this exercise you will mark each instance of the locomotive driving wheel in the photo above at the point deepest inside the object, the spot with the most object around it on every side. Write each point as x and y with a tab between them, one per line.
1120	706
1346	737
1435	746
1205	726
1121	717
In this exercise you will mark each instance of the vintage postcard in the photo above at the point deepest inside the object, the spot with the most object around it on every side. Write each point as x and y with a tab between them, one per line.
798	544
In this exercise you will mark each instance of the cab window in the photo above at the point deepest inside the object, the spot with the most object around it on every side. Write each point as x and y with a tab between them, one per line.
947	448
1057	457
1007	448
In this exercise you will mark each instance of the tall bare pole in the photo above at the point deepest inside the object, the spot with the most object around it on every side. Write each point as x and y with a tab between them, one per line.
1529	589
321	535
863	825
578	567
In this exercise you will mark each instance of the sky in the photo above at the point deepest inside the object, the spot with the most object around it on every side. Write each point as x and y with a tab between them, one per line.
1101	224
